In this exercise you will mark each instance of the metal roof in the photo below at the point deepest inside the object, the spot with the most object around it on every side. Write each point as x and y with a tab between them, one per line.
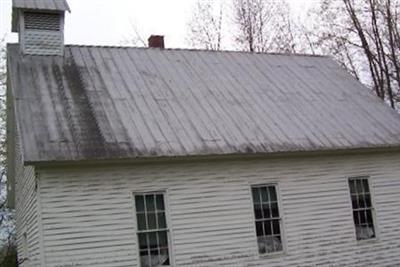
37	5
111	103
56	5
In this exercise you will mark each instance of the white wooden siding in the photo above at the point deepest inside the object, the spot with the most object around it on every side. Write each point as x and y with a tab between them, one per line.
42	42
26	211
88	217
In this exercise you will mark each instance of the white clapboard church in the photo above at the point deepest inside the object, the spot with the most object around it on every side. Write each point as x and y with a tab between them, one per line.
147	157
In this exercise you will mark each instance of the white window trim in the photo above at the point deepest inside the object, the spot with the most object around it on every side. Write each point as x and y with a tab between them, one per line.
167	218
373	210
282	220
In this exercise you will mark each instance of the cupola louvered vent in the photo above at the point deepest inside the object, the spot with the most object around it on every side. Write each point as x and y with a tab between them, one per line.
42	21
42	33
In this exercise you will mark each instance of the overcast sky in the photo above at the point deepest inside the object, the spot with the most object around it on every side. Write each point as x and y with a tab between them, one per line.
109	22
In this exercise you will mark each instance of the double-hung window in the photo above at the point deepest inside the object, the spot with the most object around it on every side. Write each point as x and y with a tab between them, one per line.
362	208
152	230
267	219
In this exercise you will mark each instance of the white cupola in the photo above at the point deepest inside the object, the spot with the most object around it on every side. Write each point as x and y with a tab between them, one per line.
40	24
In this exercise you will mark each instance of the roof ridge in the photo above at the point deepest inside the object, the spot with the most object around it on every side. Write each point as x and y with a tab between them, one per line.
198	50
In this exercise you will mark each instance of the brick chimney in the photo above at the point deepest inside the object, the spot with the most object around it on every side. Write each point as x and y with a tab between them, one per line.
156	41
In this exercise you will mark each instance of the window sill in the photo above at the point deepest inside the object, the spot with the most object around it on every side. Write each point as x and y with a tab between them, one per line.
272	255
367	241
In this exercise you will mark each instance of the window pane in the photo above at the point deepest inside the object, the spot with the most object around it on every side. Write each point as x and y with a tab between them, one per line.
160	202
266	211
275	210
268	228
363	217
262	245
365	185
150	205
144	259
139	203
365	232
162	224
354	201
155	259
143	241
141	220
372	230
264	194
361	202
163	239
153	242
269	244
151	220
164	257
276	227
356	217
368	201
272	193
256	195
359	186
259	229
277	243
369	217
257	211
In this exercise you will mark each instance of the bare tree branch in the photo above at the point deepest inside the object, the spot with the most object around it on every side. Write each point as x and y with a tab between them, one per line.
205	28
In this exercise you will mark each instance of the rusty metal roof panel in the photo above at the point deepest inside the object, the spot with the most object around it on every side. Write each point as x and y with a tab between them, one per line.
111	103
56	5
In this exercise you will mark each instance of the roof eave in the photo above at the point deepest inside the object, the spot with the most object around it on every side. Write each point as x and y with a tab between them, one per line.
236	156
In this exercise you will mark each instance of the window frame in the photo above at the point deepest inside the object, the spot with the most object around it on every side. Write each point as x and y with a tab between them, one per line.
373	209
283	251
164	193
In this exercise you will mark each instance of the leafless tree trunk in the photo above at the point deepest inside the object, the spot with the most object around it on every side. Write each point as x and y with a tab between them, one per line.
135	37
363	33
249	25
264	26
7	238
205	28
